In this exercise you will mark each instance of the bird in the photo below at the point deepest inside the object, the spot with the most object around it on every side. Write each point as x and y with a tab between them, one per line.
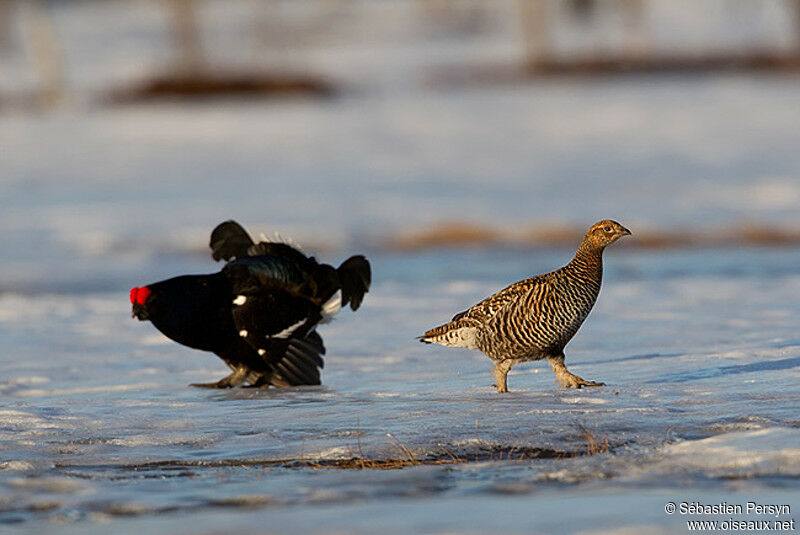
535	318
260	312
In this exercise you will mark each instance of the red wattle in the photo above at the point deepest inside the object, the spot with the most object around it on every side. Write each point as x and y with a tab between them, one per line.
142	295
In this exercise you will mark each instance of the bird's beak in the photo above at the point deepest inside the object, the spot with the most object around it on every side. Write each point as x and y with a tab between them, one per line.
625	232
139	312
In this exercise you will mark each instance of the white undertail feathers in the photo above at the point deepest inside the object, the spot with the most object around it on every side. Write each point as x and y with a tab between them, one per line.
332	307
455	337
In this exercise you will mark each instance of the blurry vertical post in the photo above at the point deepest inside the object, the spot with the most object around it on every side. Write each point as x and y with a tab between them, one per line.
536	39
43	44
186	34
796	4
635	25
5	24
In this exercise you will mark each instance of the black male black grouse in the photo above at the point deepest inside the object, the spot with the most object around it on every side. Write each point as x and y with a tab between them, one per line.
260	312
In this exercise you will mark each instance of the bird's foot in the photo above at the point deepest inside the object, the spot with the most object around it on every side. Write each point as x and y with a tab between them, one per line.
501	375
234	379
570	380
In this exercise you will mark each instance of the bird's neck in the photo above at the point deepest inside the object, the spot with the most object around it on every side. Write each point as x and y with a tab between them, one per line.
588	260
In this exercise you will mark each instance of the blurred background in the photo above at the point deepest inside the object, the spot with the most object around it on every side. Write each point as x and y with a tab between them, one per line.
131	127
461	145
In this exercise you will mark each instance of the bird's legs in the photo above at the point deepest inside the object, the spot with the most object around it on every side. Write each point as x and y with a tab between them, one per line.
234	379
501	374
565	378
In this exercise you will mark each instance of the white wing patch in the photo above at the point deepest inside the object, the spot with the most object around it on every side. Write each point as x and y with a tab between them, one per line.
287	332
243	333
332	307
240	300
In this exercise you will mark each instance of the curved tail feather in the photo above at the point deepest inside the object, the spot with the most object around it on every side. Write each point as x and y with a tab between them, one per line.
229	240
355	276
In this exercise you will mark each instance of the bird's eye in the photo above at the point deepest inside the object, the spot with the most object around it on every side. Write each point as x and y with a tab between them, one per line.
607	229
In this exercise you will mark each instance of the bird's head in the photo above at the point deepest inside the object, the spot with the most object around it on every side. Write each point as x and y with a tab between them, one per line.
605	233
193	310
140	298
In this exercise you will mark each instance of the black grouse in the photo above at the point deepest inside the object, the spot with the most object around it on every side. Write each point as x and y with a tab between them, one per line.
534	318
260	312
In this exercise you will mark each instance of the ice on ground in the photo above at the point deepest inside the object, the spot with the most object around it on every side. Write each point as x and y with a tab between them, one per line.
769	451
701	394
699	349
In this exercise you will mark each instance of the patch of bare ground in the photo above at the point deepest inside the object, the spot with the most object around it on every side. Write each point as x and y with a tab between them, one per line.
755	60
506	73
442	455
447	234
211	84
473	235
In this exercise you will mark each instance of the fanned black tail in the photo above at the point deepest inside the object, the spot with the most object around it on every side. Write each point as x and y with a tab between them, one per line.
301	362
355	276
229	240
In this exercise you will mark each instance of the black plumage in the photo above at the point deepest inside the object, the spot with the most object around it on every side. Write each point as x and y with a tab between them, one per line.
260	312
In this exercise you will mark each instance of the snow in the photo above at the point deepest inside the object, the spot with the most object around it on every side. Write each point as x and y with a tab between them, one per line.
694	402
774	450
699	349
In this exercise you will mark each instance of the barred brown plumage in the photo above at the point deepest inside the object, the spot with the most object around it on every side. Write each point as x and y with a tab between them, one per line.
534	318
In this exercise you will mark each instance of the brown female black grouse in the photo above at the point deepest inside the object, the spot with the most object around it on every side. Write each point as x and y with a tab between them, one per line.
534	318
260	313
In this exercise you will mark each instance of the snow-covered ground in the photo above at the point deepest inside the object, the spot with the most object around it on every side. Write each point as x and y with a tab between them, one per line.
699	348
700	355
